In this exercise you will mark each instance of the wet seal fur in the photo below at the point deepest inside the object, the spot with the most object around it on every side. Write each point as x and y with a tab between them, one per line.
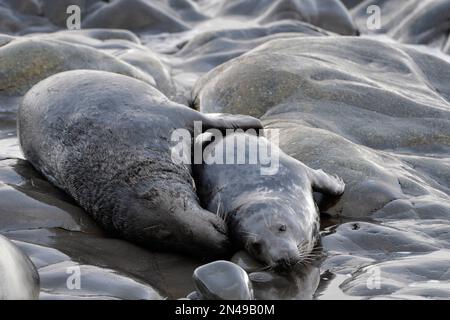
272	217
104	139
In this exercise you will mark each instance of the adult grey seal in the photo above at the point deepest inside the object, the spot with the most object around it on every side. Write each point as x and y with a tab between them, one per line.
105	139
271	216
19	279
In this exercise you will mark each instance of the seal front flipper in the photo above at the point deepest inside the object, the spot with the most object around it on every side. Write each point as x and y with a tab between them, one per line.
224	121
325	183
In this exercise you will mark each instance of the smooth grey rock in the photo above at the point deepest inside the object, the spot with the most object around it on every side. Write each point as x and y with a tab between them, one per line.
222	280
374	111
19	279
327	14
28	201
43	58
410	21
154	16
371	240
93	282
327	107
425	275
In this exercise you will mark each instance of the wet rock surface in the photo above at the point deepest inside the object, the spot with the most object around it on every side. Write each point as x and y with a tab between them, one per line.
411	21
222	280
19	279
373	109
347	116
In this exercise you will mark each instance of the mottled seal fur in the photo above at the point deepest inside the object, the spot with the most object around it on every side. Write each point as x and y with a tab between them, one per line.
273	217
105	139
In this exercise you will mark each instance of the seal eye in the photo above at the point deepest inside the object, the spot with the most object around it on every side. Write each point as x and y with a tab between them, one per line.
282	228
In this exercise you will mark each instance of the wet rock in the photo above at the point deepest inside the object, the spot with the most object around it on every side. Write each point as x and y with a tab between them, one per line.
62	278
351	3
56	12
126	47
298	284
148	62
390	261
216	42
42	256
94	283
98	34
342	263
328	107
373	111
29	7
412	21
436	230
43	58
164	272
372	240
213	48
327	14
153	16
302	70
17	16
222	280
19	279
208	49
28	200
409	277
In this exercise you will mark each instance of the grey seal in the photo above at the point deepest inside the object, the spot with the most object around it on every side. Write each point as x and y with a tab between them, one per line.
273	217
19	279
105	139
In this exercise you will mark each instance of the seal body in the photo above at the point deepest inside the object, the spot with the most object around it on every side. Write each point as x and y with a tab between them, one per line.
105	139
271	216
19	279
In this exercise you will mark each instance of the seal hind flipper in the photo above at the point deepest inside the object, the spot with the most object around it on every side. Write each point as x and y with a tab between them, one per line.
326	183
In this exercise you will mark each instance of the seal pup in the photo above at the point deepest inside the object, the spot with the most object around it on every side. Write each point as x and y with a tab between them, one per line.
105	139
271	216
19	279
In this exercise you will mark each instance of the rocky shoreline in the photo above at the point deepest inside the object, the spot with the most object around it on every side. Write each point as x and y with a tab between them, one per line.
370	105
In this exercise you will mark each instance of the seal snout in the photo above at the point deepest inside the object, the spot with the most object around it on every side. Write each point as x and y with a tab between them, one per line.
286	258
